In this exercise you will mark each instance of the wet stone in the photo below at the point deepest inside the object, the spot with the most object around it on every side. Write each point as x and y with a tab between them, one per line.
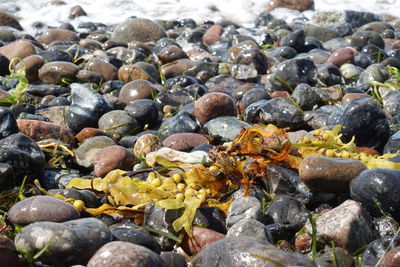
42	208
235	251
285	216
137	29
8	252
8	124
305	96
22	153
69	243
362	38
61	35
292	72
131	233
145	144
135	90
378	248
364	119
225	128
393	144
330	175
381	184
278	111
279	180
213	105
57	71
182	122
143	110
374	72
86	107
329	74
295	40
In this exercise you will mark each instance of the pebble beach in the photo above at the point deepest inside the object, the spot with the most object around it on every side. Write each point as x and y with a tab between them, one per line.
215	133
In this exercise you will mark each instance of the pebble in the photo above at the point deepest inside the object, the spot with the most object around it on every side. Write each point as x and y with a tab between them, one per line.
18	49
391	258
213	105
292	72
86	151
143	110
305	96
40	130
291	4
201	237
111	158
250	228
137	29
57	71
380	184
225	128
118	123
107	70
120	253
42	208
9	20
372	131
342	55
348	225
62	35
244	208
138	89
194	157
329	175
32	64
185	141
235	251
146	144
8	124
138	71
129	232
69	243
22	153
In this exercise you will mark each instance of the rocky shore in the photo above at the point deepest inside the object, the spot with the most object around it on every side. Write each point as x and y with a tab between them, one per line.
184	143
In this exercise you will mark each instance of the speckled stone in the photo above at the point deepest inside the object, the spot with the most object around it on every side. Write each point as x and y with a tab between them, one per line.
119	253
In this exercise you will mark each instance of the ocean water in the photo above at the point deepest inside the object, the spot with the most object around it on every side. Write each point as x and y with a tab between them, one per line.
116	11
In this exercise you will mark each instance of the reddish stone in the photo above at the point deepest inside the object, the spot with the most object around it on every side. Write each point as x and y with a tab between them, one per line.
302	243
343	55
210	38
138	89
40	130
391	259
200	238
176	68
185	141
284	94
299	5
367	150
170	54
213	105
111	158
88	132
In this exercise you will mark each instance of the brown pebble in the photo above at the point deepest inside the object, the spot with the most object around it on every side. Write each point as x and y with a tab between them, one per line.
138	89
300	5
329	175
40	130
88	132
367	150
76	11
61	35
185	141
302	243
213	105
200	238
111	158
391	258
107	70
350	96
18	49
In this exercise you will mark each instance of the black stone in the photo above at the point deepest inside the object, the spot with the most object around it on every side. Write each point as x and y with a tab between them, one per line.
8	123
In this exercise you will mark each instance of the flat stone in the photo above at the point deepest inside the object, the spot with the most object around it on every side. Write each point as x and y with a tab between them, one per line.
185	141
40	130
329	175
119	253
42	208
